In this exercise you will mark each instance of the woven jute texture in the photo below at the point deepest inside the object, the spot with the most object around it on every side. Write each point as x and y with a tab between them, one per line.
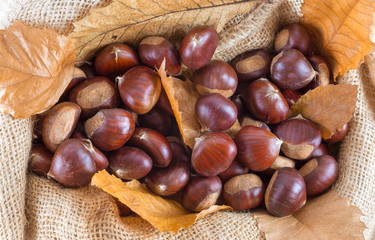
35	208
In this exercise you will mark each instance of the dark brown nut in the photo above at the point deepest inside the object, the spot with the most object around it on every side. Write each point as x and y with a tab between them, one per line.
139	89
238	101
179	152
198	46
291	70
78	77
130	163
94	94
321	66
291	96
340	134
265	102
201	193
164	104
40	160
286	192
215	112
156	120
235	168
59	123
216	77
123	209
293	35
280	162
319	174
154	144
246	120
252	65
167	181
243	192
300	137
110	129
115	59
154	49
321	150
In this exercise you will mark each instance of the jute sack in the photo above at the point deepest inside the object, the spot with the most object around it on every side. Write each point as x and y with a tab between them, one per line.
35	208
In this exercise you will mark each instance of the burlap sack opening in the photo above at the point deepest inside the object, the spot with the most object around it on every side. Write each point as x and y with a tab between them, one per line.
36	208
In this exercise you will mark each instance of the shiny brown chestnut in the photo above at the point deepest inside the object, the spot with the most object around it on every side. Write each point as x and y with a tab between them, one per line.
291	96
154	144
59	123
215	112
139	89
243	192
94	94
110	129
257	147
89	69
156	120
235	168
201	193
291	70
213	153
286	192
319	174
300	137
163	103
154	49
167	181
198	46
115	59
78	77
252	65
280	162
321	150
216	77
293	35
178	150
321	66
73	163
246	120
339	134
40	160
265	102
238	101
130	163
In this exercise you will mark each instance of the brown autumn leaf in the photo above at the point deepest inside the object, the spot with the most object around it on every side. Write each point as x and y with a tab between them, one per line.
163	214
35	68
342	30
130	21
330	107
326	217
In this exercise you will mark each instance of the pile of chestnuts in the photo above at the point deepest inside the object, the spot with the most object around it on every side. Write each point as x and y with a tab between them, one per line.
115	115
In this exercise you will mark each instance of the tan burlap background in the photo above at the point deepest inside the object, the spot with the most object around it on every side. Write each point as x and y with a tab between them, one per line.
36	208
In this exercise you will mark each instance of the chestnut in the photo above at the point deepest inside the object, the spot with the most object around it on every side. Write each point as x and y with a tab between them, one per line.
154	49
123	209
216	77
243	192
59	123
293	35
252	65
257	147
291	70
154	144
139	89
213	153
73	164
265	102
156	120
178	150
246	120
321	150
235	168
215	112
89	69
238	101
163	103
291	96
95	94
321	66
78	77
130	163
110	129
280	162
339	134
286	192
115	59
319	174
198	46
40	160
167	181
300	137
201	193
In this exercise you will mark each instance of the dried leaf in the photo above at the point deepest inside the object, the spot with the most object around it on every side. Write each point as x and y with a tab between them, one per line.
163	214
131	21
182	95
330	107
326	217
342	30
35	68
